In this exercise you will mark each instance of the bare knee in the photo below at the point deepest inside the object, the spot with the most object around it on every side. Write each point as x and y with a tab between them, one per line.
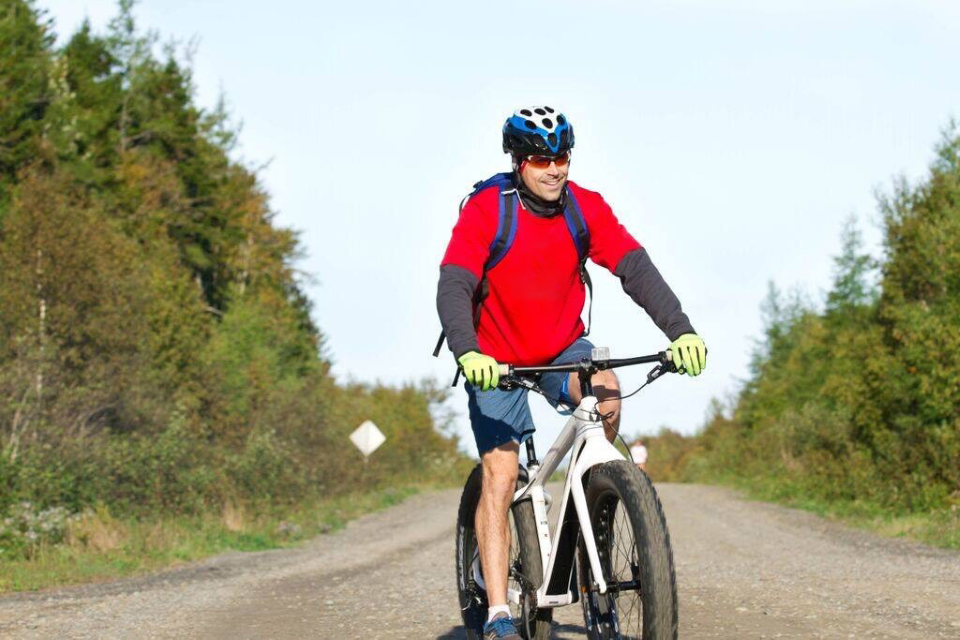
500	468
606	387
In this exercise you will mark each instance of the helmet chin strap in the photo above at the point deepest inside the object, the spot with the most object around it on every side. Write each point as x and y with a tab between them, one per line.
518	166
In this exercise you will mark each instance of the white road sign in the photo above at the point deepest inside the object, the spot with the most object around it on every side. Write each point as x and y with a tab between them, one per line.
367	437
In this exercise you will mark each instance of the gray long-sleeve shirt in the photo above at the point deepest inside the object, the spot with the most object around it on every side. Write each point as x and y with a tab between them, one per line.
639	277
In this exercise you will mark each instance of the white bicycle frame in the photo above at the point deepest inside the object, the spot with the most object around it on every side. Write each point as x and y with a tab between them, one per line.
584	433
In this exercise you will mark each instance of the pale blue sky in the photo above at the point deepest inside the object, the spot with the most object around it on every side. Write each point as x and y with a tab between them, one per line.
732	138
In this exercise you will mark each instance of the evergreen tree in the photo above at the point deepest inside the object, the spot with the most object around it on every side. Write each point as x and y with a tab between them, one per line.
26	41
156	348
853	269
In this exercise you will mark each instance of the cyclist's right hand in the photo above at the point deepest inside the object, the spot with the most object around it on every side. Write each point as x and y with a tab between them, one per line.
481	371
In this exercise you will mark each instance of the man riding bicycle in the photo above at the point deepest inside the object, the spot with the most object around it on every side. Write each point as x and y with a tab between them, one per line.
512	290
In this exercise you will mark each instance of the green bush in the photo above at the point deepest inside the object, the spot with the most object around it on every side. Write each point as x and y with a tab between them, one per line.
858	402
158	357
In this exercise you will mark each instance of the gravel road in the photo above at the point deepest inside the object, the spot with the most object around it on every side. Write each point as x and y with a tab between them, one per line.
745	570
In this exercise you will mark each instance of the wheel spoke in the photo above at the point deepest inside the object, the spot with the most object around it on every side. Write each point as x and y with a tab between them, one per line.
524	613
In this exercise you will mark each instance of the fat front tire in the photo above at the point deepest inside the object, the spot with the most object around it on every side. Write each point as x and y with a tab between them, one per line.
525	564
634	547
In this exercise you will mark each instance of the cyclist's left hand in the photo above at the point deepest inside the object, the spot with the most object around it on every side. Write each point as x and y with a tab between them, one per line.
690	352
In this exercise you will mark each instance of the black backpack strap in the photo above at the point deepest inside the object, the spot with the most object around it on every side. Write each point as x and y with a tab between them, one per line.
506	230
502	241
577	226
585	276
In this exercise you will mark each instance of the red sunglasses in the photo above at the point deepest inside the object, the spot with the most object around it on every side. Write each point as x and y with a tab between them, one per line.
542	162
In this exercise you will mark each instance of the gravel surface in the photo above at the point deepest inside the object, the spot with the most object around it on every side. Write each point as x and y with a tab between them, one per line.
745	570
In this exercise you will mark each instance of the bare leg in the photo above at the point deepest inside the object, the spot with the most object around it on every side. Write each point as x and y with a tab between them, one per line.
493	532
605	387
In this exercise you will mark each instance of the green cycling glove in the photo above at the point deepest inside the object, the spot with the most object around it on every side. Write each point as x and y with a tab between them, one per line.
690	352
481	371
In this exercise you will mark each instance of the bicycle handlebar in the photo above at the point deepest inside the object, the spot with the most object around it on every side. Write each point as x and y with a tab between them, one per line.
663	357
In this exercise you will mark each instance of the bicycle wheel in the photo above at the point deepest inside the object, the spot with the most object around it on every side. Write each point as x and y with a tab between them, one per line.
634	548
525	569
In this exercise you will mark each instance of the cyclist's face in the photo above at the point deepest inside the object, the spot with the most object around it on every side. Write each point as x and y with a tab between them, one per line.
545	183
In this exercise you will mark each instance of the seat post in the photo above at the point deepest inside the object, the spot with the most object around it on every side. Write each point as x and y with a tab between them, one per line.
531	453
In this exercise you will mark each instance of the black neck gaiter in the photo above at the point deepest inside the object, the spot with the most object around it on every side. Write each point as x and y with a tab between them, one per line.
537	205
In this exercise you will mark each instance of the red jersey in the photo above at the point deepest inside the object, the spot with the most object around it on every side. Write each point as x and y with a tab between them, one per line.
535	294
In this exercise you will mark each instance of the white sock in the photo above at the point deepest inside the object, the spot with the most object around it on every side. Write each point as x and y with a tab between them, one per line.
494	610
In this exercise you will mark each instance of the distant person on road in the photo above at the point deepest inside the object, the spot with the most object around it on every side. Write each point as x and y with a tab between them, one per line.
639	454
514	293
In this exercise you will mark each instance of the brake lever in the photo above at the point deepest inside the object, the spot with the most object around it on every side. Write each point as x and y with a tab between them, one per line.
510	381
507	383
665	367
657	371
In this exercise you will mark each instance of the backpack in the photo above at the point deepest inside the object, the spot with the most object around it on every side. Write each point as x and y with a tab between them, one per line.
507	230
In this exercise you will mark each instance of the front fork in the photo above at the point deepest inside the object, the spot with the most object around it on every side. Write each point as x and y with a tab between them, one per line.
590	448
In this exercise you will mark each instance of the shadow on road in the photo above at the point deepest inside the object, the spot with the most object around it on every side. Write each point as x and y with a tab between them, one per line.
557	632
567	631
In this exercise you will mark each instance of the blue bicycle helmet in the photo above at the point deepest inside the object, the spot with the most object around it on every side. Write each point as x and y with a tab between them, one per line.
537	131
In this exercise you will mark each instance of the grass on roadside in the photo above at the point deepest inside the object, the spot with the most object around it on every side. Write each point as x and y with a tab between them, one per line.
98	546
940	528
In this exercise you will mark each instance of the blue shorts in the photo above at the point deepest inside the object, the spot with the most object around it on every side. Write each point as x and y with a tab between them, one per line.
499	416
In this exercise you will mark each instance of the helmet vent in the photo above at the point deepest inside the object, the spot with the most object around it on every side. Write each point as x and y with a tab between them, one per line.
537	130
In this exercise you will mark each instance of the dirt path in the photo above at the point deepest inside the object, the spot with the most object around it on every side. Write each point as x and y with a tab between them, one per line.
745	570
